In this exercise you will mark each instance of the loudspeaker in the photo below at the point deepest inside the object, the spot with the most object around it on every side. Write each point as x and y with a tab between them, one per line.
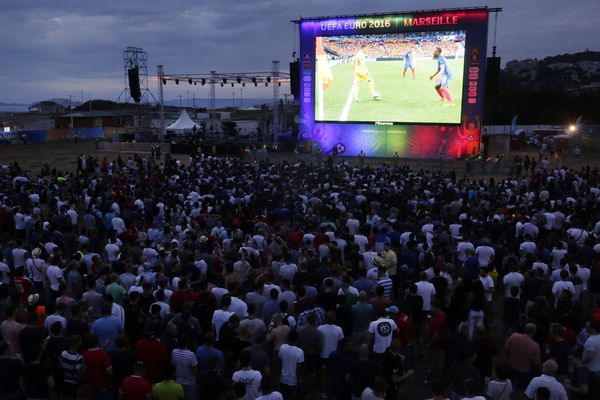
492	76
134	84
295	78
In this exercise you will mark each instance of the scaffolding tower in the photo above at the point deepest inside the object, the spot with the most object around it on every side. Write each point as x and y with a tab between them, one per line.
136	57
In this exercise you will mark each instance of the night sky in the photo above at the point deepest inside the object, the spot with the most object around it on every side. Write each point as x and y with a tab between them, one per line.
53	48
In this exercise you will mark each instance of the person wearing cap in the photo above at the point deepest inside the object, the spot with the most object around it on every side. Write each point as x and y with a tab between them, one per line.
382	330
35	266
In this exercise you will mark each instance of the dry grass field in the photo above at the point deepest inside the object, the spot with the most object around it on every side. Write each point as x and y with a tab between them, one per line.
63	155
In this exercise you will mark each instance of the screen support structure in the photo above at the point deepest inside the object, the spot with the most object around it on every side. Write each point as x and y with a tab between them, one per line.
275	78
406	140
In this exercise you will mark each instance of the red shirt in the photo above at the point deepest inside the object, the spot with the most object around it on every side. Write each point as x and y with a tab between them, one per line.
155	355
96	362
438	325
596	314
404	332
523	352
24	286
135	388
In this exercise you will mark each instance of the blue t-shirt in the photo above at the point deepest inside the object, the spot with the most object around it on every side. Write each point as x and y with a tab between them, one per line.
408	57
203	354
442	63
107	328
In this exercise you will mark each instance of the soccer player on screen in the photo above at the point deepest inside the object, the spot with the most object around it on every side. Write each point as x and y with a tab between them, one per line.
408	63
445	76
361	73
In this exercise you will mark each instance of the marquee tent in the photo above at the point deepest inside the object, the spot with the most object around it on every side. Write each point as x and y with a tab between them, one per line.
183	123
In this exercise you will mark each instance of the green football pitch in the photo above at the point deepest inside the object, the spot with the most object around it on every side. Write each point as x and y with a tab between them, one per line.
402	100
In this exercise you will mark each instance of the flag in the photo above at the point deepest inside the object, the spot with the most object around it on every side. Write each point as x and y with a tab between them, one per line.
513	125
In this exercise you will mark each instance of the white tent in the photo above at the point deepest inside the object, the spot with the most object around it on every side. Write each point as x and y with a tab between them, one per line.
183	123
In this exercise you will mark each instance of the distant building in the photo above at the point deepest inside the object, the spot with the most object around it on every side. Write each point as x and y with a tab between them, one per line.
561	66
92	119
524	69
47	107
590	68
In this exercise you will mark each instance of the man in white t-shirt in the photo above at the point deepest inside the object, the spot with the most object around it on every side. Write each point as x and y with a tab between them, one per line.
487	282
330	334
382	330
463	249
291	356
527	247
513	278
368	256
118	224
557	254
547	380
112	250
362	241
578	235
485	254
249	377
18	254
35	267
352	224
288	270
426	290
221	316
55	277
562	285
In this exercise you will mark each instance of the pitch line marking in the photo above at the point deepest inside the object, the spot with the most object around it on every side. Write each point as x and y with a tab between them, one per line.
349	100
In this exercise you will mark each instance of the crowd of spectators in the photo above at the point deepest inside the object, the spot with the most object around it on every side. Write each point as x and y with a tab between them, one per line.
391	46
219	278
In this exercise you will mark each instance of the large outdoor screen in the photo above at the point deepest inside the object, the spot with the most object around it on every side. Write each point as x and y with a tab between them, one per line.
395	84
414	77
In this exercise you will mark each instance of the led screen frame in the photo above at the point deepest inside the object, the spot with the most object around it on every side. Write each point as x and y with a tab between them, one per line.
397	139
405	94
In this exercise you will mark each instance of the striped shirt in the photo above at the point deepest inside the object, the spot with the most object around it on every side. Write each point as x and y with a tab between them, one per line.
387	287
184	361
499	390
71	363
303	317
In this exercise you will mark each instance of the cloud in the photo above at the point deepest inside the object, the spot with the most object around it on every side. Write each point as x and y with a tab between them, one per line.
51	48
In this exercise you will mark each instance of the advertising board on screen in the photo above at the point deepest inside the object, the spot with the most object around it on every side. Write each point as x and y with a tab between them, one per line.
397	85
